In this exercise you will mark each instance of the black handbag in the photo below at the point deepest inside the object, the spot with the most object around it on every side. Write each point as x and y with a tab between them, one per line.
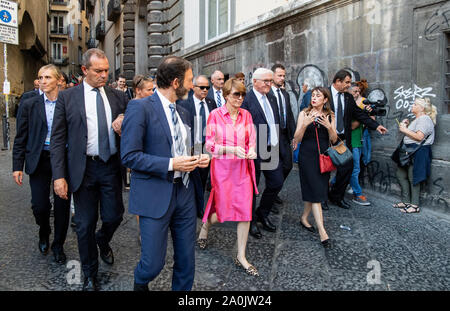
403	154
339	154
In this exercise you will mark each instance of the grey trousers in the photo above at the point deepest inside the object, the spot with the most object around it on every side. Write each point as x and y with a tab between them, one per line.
410	193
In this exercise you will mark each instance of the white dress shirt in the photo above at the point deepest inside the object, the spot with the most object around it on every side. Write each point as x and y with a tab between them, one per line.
197	120
90	103
273	128
335	95
222	99
165	102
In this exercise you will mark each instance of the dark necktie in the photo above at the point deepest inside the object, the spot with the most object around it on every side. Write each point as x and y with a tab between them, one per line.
340	115
104	151
282	112
203	120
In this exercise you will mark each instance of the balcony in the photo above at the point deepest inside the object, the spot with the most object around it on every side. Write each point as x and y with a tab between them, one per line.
114	10
100	31
60	61
59	2
59	31
91	43
62	6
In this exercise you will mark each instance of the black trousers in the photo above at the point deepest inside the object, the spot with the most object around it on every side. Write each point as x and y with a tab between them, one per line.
343	175
274	183
286	153
101	186
40	182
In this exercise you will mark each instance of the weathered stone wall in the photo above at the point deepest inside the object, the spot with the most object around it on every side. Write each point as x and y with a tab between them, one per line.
398	46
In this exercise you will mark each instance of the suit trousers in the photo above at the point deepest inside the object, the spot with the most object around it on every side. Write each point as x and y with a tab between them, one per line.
286	153
40	182
181	219
274	183
343	175
102	184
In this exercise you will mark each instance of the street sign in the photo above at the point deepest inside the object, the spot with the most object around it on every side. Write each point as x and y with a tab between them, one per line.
9	32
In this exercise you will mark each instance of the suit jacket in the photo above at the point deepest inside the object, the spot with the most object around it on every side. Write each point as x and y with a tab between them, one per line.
212	96
353	112
28	95
30	134
251	104
70	129
146	148
290	120
189	105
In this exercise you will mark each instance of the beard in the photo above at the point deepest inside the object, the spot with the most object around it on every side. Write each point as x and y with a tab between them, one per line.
182	93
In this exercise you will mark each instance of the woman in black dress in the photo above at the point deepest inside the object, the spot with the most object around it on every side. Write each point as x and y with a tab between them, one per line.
313	183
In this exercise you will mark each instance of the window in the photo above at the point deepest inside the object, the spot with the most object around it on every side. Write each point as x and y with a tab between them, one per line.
57	51
80	31
447	72
80	55
117	57
58	24
218	19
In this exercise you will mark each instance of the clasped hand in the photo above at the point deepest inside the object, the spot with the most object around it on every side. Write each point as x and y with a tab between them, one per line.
190	163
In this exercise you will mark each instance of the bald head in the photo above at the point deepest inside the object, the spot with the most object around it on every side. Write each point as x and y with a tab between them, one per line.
218	80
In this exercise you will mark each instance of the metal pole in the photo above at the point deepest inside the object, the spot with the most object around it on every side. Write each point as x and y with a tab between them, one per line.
5	118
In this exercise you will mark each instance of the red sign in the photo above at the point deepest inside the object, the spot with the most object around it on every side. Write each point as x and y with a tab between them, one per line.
65	49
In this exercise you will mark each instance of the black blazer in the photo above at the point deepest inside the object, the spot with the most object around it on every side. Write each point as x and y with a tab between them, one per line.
251	104
31	131
211	96
70	129
353	112
290	120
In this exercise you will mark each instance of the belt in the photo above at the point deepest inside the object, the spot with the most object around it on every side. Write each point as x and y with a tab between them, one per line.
97	158
177	180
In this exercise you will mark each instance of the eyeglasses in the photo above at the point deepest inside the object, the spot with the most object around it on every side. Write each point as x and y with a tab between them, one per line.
203	87
237	95
265	81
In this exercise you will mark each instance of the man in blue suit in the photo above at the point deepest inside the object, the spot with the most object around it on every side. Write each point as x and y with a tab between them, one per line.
215	93
156	146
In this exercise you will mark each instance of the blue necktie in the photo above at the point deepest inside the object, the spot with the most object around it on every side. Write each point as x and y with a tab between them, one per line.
219	100
203	120
179	145
104	151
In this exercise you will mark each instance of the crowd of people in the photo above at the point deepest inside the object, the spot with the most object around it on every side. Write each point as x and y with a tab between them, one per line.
172	139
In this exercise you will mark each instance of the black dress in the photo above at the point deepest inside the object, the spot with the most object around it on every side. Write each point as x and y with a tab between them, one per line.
313	183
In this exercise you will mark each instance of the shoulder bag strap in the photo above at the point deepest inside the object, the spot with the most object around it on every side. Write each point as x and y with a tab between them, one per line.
317	137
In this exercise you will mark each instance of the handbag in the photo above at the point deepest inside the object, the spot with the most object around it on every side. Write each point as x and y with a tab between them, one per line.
339	154
403	154
325	163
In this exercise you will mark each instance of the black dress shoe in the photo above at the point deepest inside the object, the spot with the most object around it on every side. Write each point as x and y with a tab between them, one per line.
325	206
90	284
106	254
140	287
266	224
254	230
278	200
342	204
59	256
310	229
274	210
43	245
326	243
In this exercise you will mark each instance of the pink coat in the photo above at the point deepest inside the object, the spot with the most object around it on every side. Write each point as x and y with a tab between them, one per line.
232	179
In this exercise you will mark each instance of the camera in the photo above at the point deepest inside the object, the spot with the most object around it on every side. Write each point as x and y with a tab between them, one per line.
378	107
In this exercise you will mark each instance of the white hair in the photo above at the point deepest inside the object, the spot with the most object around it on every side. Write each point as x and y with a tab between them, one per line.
309	83
215	73
260	72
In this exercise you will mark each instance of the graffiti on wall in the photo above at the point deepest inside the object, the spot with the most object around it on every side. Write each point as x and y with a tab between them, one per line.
440	19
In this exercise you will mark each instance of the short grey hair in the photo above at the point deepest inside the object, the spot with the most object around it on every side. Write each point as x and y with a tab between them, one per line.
309	83
86	59
260	72
215	73
200	76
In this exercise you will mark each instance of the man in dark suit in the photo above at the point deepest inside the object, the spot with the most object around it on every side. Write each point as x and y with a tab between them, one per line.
87	120
287	122
264	110
215	93
346	110
31	147
199	107
155	132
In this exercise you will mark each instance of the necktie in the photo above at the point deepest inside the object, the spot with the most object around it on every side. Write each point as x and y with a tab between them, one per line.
282	111
219	100
104	151
179	145
203	120
272	132
340	115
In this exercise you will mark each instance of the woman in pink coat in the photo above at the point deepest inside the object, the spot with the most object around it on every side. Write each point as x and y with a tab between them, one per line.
231	139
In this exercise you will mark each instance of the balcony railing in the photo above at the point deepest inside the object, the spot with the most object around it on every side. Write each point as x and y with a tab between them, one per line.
60	61
59	31
91	43
100	31
59	2
114	10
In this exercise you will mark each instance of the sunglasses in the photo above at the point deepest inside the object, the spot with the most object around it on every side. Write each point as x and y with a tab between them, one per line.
203	87
237	95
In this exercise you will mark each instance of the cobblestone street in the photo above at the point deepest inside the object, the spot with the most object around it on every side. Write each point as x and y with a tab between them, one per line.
412	251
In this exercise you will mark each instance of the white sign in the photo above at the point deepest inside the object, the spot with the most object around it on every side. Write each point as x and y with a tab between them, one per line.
8	13
6	88
9	35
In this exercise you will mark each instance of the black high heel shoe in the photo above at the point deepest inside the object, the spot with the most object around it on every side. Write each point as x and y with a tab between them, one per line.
326	243
310	229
